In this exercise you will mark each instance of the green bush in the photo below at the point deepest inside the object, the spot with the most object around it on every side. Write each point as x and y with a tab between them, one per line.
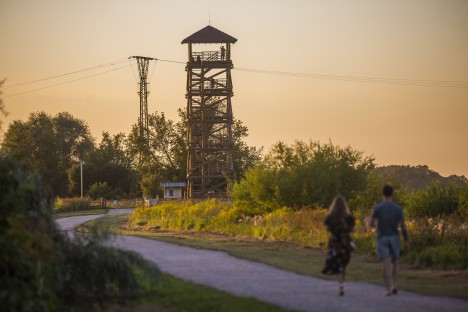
28	240
305	227
41	269
100	189
446	257
100	274
304	175
434	200
71	204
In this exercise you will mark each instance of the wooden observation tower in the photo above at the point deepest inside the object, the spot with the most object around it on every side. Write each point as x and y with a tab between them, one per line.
209	114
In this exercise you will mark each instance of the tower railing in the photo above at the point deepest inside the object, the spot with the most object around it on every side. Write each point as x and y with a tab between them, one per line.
220	83
207	56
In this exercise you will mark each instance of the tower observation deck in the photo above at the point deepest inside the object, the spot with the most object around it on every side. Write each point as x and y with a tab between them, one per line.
209	139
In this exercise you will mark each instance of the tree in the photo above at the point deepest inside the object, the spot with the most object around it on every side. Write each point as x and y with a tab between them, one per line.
305	174
41	269
50	145
28	237
435	200
108	163
164	157
243	155
257	189
100	189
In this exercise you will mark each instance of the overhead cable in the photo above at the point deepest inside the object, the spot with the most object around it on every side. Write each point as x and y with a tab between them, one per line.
381	80
362	79
113	63
66	82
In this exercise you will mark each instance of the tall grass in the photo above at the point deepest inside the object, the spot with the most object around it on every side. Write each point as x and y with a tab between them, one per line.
71	204
440	243
304	227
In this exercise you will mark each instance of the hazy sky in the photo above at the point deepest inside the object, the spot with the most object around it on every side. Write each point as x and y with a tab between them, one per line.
398	124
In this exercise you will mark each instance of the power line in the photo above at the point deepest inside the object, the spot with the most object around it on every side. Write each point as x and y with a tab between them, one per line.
113	63
170	61
66	82
152	73
381	80
130	62
362	79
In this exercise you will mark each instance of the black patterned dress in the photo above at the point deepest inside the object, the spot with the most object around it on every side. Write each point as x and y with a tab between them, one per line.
339	244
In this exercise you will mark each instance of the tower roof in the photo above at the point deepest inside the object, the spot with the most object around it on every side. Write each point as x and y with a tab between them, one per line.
209	34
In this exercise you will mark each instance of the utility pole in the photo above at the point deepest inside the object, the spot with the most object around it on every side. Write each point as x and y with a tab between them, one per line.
143	64
81	172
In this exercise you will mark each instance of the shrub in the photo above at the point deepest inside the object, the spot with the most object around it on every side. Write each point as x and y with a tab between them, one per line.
446	257
433	201
301	227
72	204
304	175
100	189
99	274
28	238
40	269
447	235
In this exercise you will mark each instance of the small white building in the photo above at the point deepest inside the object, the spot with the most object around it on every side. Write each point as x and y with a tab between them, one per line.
173	190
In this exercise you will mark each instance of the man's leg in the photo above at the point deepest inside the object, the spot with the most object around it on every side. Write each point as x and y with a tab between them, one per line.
387	272
395	275
395	254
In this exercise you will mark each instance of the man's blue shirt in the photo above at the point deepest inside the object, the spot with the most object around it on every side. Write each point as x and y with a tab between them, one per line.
388	216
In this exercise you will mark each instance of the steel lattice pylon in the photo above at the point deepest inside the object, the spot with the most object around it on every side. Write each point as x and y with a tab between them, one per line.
209	114
143	64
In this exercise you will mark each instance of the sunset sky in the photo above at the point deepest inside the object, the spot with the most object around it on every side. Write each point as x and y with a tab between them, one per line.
407	40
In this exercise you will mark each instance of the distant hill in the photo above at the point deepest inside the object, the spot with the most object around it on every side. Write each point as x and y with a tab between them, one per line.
416	177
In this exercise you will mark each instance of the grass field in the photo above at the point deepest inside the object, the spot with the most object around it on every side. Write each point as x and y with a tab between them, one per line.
178	295
302	260
80	213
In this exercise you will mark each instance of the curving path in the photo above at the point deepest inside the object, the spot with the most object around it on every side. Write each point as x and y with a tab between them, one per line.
286	289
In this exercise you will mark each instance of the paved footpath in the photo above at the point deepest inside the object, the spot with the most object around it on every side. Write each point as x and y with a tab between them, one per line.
250	279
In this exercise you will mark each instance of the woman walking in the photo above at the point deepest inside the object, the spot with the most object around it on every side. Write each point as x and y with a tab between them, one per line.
340	223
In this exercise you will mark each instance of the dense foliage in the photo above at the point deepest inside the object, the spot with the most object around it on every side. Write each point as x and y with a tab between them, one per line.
119	166
108	170
304	175
283	198
437	200
40	268
439	242
304	227
164	158
50	145
438	219
28	237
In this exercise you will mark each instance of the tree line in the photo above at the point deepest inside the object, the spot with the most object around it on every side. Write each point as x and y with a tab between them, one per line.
310	174
302	174
119	165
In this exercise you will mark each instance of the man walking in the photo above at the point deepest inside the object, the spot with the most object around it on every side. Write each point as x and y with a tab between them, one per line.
388	216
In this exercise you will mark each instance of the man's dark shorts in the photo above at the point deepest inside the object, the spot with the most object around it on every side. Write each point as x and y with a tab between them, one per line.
388	246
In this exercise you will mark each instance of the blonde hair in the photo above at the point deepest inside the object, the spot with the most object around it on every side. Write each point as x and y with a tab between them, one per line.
339	208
